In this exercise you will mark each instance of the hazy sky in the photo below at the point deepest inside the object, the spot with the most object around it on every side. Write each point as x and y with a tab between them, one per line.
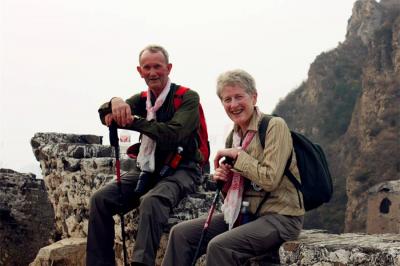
60	59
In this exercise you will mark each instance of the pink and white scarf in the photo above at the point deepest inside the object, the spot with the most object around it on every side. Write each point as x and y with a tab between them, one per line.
147	149
233	199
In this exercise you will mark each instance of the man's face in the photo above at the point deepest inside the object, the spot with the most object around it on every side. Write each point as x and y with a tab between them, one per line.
154	69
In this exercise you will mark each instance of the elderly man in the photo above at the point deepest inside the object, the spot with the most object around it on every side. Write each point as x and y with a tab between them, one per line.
163	130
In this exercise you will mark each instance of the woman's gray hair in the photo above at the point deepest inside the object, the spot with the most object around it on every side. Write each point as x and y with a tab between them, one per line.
154	48
236	77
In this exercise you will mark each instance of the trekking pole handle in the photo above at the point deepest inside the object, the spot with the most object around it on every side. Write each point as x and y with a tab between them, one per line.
114	141
228	160
113	129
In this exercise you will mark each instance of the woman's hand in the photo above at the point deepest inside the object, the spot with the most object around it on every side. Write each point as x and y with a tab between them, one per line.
231	153
222	173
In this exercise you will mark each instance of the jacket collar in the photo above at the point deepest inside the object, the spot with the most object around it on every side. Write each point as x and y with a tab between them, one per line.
254	121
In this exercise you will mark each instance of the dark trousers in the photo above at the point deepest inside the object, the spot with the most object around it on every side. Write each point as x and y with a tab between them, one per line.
232	247
154	210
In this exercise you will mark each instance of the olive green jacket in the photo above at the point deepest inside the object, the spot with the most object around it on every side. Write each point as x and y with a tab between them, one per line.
172	128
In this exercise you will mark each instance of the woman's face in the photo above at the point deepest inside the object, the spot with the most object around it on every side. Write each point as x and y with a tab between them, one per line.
238	105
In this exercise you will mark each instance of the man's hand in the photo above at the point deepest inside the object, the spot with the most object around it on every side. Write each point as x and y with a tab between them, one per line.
121	113
108	119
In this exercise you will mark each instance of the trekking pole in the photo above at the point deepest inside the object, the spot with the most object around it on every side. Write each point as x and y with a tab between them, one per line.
115	143
220	184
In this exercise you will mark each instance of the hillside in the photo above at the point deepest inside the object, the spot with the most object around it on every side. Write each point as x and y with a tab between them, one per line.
350	105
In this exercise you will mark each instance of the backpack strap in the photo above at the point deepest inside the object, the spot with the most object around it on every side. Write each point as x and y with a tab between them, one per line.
143	94
293	179
262	131
229	140
205	151
178	96
266	196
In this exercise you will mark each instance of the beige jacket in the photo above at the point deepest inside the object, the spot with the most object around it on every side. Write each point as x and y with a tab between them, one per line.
265	168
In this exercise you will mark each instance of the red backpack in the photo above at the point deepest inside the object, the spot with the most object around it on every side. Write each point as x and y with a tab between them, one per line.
202	133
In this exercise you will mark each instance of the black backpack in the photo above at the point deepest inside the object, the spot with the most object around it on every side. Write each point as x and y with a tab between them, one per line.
316	181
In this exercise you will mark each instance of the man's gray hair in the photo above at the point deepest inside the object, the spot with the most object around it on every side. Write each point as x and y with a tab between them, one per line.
236	77
154	48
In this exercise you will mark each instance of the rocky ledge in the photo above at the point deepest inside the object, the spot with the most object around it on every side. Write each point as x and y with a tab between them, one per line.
26	217
315	247
74	166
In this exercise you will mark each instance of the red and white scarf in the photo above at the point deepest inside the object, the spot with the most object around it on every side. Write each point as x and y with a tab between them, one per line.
147	149
233	199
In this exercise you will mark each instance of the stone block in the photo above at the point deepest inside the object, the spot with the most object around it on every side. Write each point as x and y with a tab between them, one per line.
66	252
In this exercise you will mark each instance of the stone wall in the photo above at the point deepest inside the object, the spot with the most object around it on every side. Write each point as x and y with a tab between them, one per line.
75	166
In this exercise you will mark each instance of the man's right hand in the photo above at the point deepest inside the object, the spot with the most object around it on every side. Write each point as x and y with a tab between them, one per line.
121	113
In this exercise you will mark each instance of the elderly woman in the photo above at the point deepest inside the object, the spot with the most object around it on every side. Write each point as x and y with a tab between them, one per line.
255	176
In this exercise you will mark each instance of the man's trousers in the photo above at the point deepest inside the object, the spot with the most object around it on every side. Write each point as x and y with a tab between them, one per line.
154	210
